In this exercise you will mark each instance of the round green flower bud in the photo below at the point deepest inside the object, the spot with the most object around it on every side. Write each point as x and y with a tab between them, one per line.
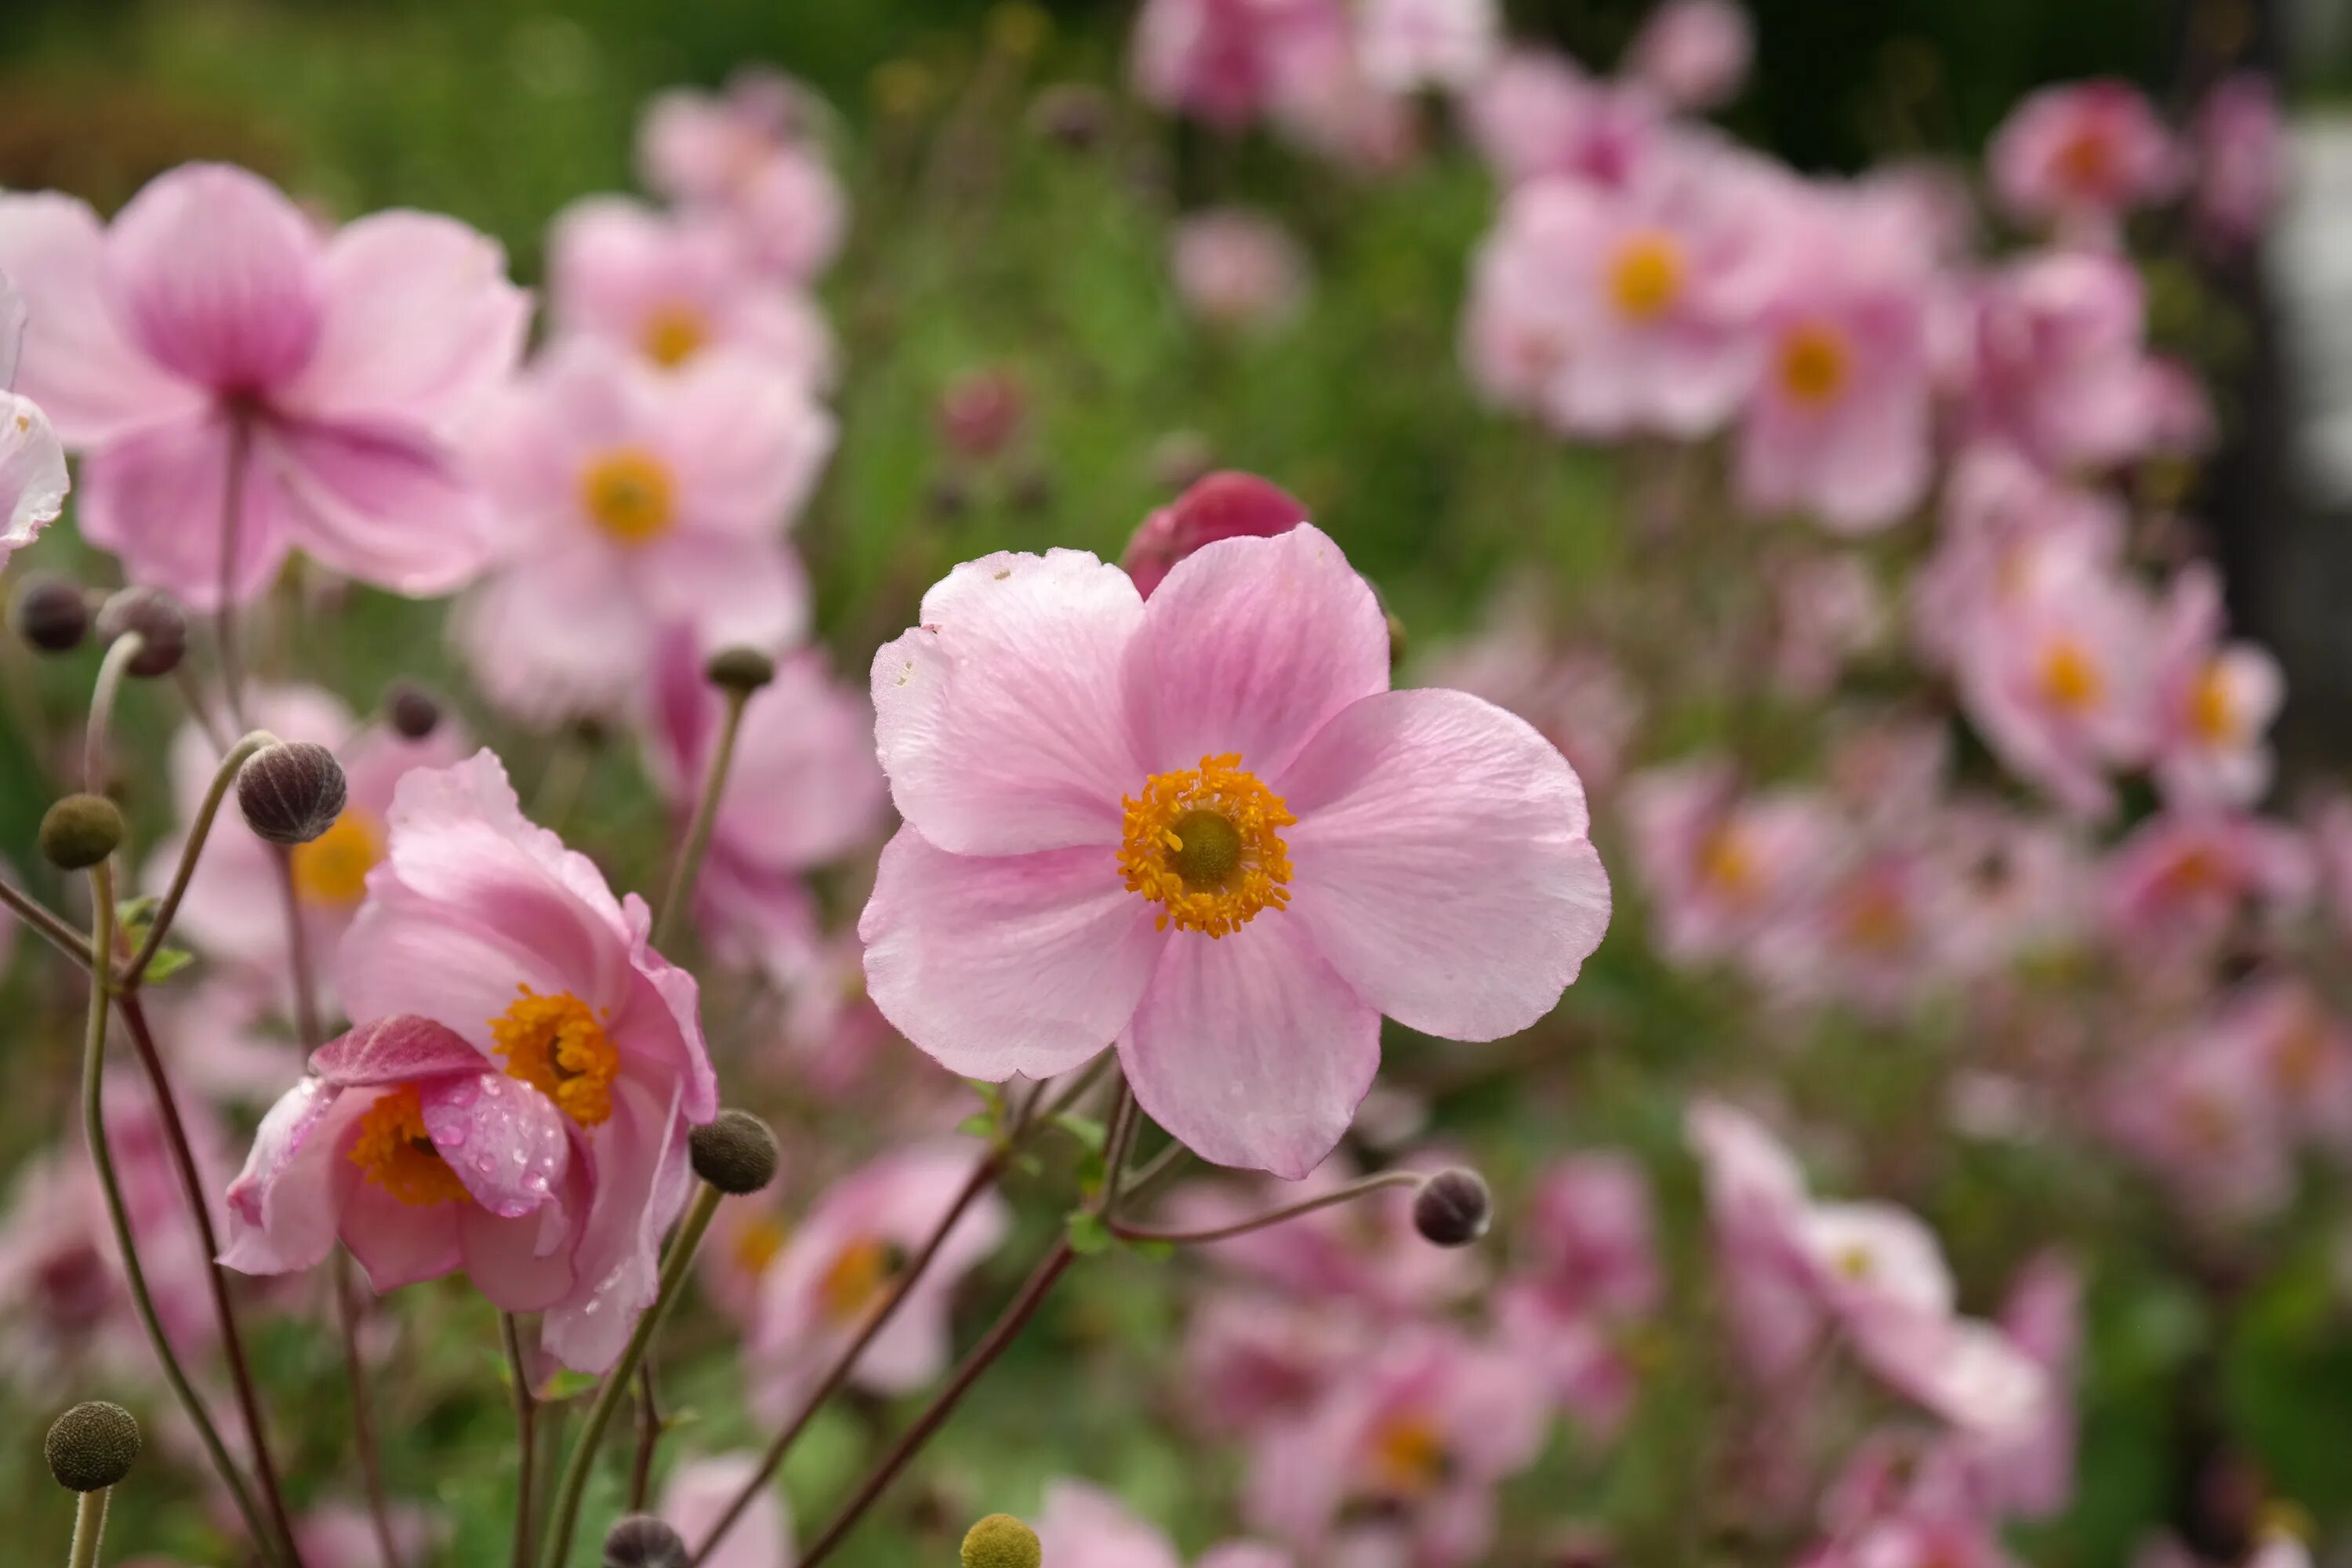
79	831
1452	1208
737	1153
640	1541
92	1446
1000	1541
742	669
292	791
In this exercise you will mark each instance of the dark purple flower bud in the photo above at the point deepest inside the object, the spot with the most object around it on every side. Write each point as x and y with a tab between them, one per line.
50	613
291	792
1452	1208
156	617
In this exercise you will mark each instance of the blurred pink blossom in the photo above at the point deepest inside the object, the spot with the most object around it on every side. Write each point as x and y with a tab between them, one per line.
2082	156
1229	62
1537	114
2058	361
1222	505
744	159
698	1492
2182	877
2239	145
1693	53
1083	1524
1406	45
210	327
2215	700
1238	269
1716	867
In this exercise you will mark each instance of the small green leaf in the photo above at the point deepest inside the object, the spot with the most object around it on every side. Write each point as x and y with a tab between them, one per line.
167	961
979	1125
1156	1251
138	912
1085	1129
1088	1233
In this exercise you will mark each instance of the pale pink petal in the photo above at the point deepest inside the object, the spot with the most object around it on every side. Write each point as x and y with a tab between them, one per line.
506	1141
1250	1049
420	322
729	591
218	275
397	1048
1001	719
403	955
399	1243
1966	1372
156	500
559	635
699	1490
747	440
32	481
284	1207
641	1183
999	965
79	362
384	505
1441	864
1251	646
511	1262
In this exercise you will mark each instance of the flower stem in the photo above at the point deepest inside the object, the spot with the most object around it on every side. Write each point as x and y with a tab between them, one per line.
192	1189
111	672
649	1431
240	444
526	1436
89	1527
575	1487
1346	1194
371	1456
697	829
93	1119
983	1176
198	831
66	940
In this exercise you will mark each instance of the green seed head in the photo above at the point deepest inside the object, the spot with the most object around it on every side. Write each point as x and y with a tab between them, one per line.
1000	1541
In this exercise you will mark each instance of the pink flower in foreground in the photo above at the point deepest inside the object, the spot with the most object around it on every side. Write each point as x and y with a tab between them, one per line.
803	790
1080	1524
633	501
1202	830
1238	269
698	1492
1402	1459
234	910
745	159
1224	505
668	288
2082	155
33	481
2240	144
212	323
2215	700
844	1260
1693	53
517	1099
1407	45
1795	1265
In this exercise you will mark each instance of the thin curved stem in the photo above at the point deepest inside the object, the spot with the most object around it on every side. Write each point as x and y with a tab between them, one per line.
697	829
649	1431
526	1436
240	447
298	954
112	670
89	1527
93	1119
371	1456
1346	1194
192	1190
575	1487
1027	1123
37	915
199	830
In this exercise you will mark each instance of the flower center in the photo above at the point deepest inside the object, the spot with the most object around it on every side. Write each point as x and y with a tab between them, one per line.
1407	1455
1203	842
858	1276
2212	715
333	868
1815	363
1727	863
2088	161
2069	679
673	334
757	1244
1854	1261
395	1152
1646	277
559	1047
628	493
1877	920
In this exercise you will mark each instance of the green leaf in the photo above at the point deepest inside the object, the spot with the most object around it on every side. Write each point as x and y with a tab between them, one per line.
1085	1129
138	912
979	1125
167	961
1088	1233
1157	1251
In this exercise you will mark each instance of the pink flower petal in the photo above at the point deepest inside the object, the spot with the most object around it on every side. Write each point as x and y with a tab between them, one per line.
32	481
511	1262
382	505
395	1049
1000	719
1252	645
156	500
219	274
79	362
639	1158
1250	1049
399	1243
698	1492
999	965
747	437
420	322
506	1141
1441	862
284	1207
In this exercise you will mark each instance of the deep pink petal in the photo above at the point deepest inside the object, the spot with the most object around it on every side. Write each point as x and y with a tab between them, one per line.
384	505
398	1243
218	277
507	1141
156	499
79	362
420	322
1251	646
1001	719
1441	863
399	1048
999	965
517	1263
1250	1049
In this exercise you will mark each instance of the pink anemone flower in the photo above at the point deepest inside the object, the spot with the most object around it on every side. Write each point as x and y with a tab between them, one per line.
1237	269
1082	1524
582	1055
1202	830
32	481
698	1494
747	160
211	350
634	502
670	288
1693	53
2058	364
1228	62
1537	114
2215	700
845	1258
2082	155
